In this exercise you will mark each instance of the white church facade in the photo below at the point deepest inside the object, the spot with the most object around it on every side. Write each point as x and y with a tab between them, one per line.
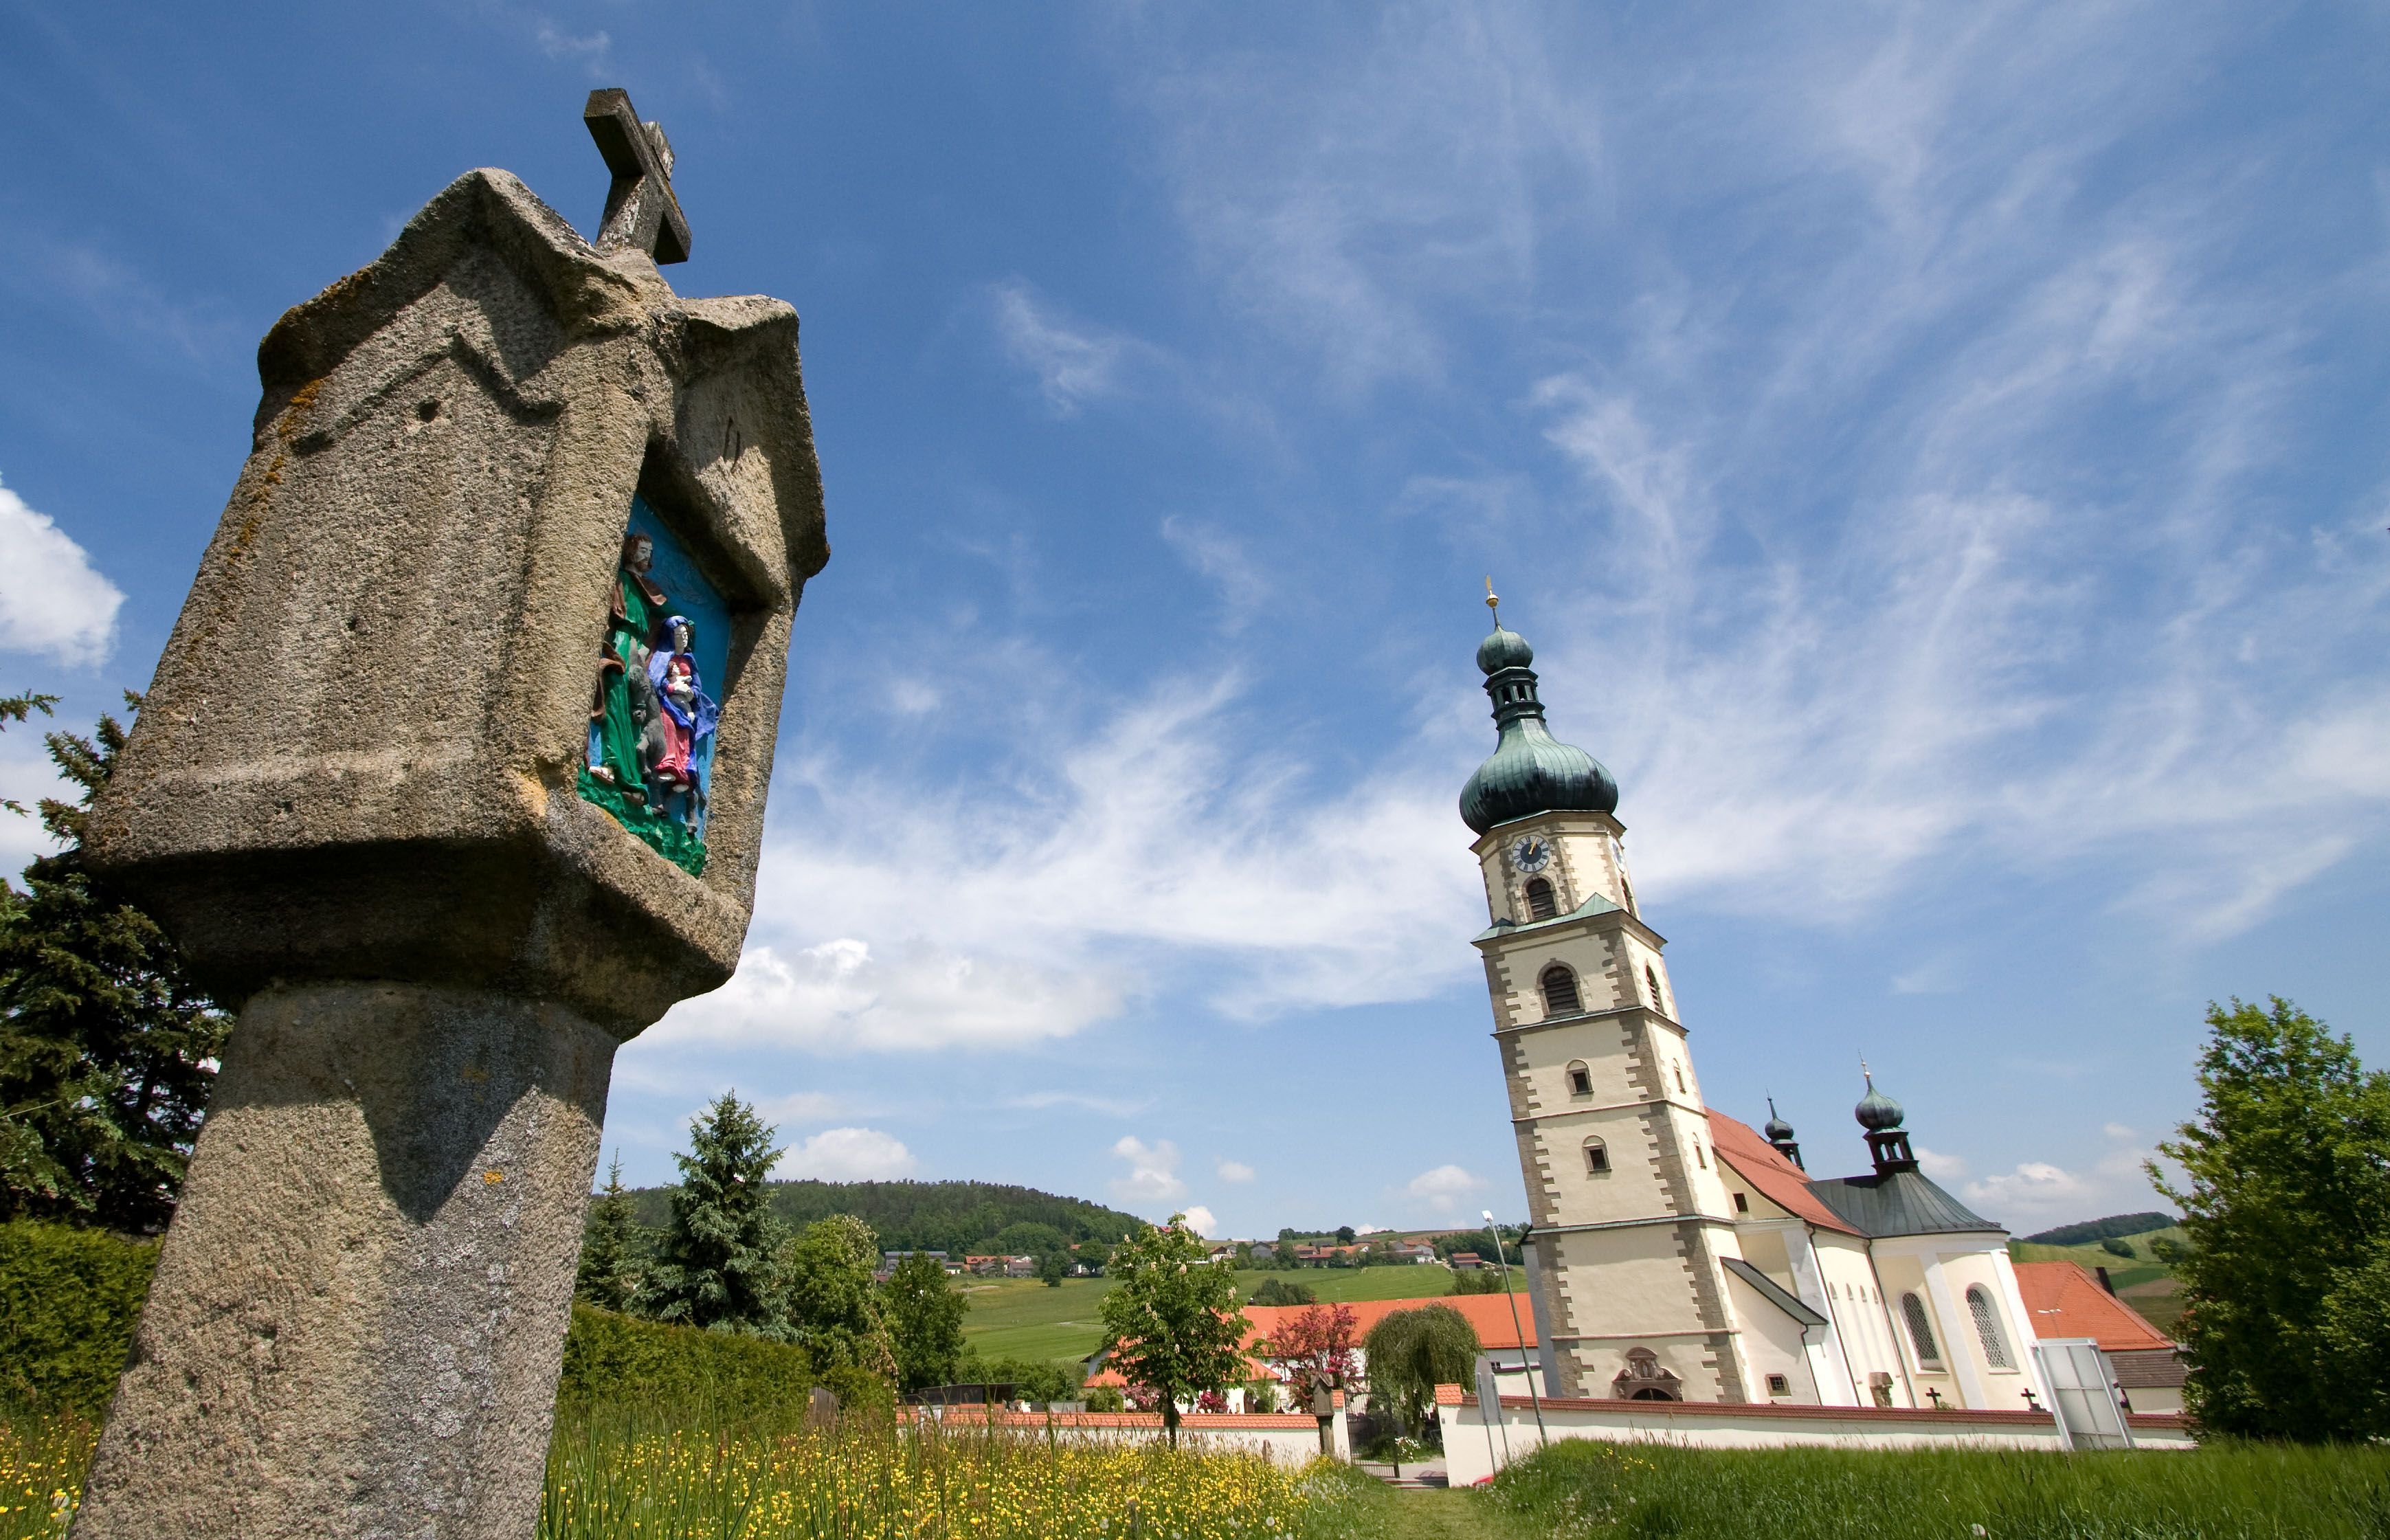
1675	1253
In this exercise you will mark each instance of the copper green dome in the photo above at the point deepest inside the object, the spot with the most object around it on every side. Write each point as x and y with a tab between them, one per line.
1877	1111
1504	648
1530	770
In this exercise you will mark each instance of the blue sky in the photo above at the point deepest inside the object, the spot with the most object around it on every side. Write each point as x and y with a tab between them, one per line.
1938	454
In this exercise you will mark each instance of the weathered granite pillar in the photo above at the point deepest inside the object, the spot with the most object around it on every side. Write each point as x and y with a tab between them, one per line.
377	795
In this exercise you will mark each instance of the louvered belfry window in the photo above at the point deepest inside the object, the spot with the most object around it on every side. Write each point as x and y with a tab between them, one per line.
1559	991
1539	899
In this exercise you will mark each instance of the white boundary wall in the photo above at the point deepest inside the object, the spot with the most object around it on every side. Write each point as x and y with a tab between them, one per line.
1474	1443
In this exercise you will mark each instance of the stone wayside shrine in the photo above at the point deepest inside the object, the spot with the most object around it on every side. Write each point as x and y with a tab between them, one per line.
451	781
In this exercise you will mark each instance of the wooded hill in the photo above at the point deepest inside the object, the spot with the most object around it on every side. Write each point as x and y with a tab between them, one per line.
2092	1231
959	1217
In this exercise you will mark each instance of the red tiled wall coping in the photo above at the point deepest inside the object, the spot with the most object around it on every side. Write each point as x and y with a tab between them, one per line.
1764	1409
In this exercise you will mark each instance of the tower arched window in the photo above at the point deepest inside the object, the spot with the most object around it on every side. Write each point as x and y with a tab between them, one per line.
1559	991
1539	899
1597	1157
1651	978
1988	1329
1921	1331
1580	1078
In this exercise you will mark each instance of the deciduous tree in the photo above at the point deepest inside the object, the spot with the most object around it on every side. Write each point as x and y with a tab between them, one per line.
1412	1351
1171	1321
1316	1348
2286	1198
833	1305
925	1323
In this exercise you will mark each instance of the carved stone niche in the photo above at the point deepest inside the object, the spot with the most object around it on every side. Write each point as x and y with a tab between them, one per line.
358	757
1646	1378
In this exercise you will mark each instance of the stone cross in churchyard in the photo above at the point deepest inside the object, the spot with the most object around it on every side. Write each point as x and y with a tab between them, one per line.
451	781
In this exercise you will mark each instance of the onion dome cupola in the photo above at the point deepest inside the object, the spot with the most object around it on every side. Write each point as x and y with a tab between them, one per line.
1780	1135
1881	1116
1530	770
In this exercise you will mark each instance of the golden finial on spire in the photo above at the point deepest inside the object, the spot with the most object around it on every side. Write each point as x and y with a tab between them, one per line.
1493	601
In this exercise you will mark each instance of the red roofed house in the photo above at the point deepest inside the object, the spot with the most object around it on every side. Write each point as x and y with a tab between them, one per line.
1507	1336
2063	1300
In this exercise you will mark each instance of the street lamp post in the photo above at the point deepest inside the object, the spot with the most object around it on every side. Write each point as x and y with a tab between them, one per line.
1543	1439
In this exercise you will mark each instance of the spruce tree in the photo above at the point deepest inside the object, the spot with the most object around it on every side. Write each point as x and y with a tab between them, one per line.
719	1264
108	1049
612	1266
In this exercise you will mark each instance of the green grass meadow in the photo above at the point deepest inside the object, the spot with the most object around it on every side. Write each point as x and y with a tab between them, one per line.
1024	1318
2221	1491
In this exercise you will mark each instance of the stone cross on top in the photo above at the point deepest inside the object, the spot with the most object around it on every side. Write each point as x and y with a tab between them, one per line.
640	209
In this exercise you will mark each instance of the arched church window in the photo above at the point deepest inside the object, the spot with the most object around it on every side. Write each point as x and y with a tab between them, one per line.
1920	1330
1539	899
1597	1157
1559	991
1988	1329
1680	1075
1628	889
1651	978
1580	1078
1699	1156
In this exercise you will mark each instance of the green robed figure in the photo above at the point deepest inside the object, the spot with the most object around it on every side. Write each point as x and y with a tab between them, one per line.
625	707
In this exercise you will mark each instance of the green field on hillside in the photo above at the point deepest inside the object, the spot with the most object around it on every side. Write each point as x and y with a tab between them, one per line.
2145	1283
1023	1318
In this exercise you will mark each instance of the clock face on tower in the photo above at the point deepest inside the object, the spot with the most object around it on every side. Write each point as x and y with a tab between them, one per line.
1532	853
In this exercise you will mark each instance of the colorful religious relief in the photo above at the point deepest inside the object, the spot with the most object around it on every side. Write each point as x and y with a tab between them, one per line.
653	725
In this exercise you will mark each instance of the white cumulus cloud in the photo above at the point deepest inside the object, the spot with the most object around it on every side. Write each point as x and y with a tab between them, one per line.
1200	1220
847	1155
1444	1188
1152	1177
841	994
1235	1171
54	603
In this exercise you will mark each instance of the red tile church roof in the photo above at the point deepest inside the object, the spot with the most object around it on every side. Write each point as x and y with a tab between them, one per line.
1769	1173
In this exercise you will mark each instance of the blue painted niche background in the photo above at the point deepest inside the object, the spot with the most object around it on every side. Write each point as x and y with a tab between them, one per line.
691	595
674	824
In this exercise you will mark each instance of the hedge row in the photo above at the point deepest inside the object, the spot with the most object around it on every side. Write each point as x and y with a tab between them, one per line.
619	1361
69	1299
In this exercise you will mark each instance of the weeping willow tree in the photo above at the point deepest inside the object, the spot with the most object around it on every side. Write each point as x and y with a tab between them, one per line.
1412	1351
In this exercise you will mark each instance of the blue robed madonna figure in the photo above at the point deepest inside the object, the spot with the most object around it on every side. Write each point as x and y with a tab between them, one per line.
683	769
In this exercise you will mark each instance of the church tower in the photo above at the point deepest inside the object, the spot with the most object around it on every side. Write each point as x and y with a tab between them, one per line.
1633	1228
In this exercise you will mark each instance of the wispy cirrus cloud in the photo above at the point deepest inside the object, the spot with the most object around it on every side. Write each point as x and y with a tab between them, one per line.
1075	362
